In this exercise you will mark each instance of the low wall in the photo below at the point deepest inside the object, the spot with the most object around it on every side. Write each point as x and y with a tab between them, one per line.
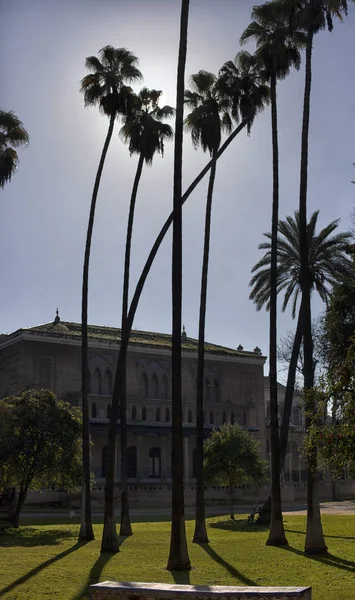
158	591
159	495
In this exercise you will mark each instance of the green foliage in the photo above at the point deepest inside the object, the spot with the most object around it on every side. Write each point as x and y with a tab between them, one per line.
12	135
143	128
328	261
232	457
40	441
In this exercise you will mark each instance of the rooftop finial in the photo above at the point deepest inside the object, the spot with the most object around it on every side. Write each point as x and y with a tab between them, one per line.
57	317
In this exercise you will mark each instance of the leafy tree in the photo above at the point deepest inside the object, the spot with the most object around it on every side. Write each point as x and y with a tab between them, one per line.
232	458
178	555
312	15
40	443
206	122
278	50
146	133
12	135
105	87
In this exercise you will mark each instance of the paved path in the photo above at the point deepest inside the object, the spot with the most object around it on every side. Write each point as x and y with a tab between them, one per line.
345	507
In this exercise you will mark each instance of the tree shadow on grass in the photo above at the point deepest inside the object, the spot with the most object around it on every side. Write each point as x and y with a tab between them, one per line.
181	577
329	560
40	568
338	537
239	525
95	572
232	570
30	536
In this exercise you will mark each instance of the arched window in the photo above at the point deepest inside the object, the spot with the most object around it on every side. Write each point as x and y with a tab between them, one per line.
155	386
144	413
244	419
93	411
134	413
154	462
103	461
216	390
211	417
164	387
108	412
145	386
189	416
232	418
108	383
207	390
157	415
132	462
224	417
97	382
167	416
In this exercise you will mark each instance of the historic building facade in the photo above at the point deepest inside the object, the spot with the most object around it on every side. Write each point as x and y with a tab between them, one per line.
49	356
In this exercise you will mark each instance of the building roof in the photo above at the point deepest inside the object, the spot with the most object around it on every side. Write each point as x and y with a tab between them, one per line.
67	330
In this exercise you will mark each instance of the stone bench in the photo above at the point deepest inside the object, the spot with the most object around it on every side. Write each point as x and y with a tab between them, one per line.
122	590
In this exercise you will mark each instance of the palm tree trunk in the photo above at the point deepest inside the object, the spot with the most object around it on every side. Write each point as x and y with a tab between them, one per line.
277	533
178	555
86	530
290	388
126	529
315	543
200	534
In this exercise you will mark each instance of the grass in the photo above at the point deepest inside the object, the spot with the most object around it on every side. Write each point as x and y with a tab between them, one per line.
42	561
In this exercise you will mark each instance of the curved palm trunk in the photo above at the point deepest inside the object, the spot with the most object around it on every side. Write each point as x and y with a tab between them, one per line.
126	528
178	555
290	388
315	543
111	537
277	533
86	531
200	534
109	541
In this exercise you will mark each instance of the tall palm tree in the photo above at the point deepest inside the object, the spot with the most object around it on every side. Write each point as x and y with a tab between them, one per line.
12	135
328	260
105	87
145	132
206	122
178	555
277	51
313	15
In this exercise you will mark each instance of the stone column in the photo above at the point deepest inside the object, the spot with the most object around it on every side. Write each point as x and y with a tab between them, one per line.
186	459
139	456
163	458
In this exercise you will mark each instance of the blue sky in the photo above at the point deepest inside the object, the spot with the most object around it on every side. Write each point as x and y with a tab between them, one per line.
44	210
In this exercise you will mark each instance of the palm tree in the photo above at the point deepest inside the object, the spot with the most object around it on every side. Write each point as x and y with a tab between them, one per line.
277	51
206	123
313	15
146	133
327	262
178	555
105	87
12	135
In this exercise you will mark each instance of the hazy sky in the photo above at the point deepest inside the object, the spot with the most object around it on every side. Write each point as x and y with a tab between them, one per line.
44	210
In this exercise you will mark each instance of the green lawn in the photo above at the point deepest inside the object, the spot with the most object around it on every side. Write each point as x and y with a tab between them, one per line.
44	561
